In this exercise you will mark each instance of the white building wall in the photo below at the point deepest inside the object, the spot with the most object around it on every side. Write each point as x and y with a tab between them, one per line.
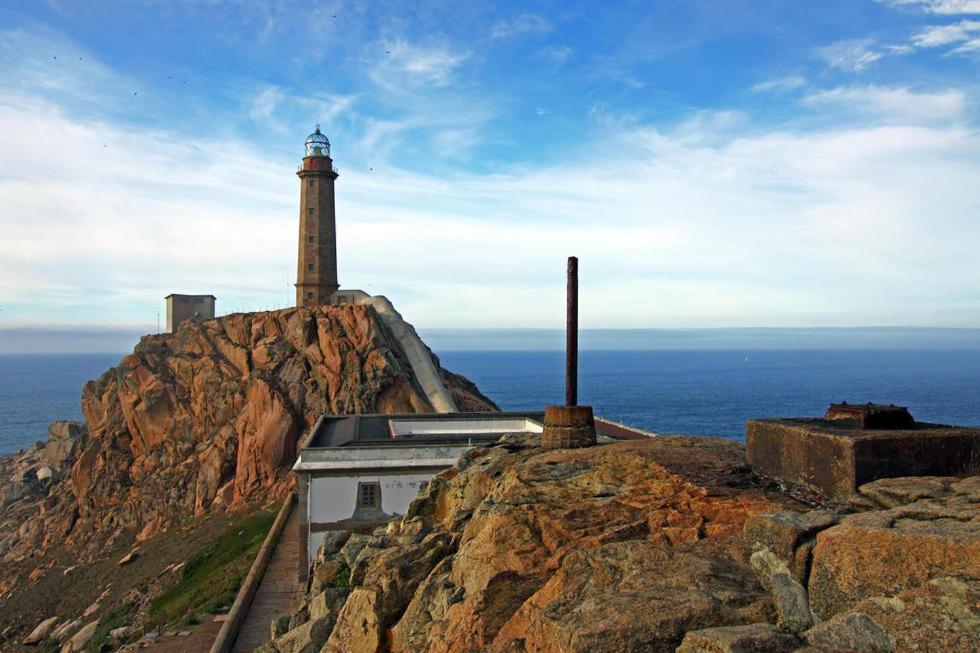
334	498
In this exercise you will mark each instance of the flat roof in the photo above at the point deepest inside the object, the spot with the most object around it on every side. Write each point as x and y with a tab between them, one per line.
408	429
177	294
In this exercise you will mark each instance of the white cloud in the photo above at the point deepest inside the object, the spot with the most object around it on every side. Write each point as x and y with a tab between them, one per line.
780	85
943	7
696	226
893	102
521	24
940	35
416	64
715	222
265	102
851	55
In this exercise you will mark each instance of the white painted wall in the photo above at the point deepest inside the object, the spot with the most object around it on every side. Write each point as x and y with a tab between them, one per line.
334	498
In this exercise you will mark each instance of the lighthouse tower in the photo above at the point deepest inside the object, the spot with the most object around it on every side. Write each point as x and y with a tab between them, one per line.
316	274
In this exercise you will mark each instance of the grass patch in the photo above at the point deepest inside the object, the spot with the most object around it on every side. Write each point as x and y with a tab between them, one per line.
211	579
341	579
115	618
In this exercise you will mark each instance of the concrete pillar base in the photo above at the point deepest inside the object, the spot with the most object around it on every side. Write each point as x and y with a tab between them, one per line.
568	427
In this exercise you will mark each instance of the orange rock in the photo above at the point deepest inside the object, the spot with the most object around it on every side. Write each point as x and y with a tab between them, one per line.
208	418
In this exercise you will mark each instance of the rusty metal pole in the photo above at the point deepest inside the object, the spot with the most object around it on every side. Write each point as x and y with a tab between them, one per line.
571	335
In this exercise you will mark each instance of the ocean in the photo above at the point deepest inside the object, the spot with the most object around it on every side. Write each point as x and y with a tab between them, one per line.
706	392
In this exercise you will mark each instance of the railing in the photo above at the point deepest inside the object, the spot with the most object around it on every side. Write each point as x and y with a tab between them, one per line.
229	629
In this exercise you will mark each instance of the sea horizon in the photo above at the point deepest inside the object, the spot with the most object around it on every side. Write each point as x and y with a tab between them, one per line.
695	391
16	340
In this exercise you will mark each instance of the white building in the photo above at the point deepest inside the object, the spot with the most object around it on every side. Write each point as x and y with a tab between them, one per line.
354	472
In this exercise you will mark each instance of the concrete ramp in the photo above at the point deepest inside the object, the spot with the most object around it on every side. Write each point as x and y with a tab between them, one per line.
279	592
415	350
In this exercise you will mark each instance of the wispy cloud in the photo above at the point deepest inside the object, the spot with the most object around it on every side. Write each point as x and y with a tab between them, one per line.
521	24
893	102
275	109
406	62
942	7
780	85
965	35
851	55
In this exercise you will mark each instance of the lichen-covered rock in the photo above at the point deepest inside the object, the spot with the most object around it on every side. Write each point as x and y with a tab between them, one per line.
643	546
753	638
852	631
885	552
788	535
894	492
306	638
634	595
942	615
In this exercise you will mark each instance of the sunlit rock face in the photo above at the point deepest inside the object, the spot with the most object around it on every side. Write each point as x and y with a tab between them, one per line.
209	417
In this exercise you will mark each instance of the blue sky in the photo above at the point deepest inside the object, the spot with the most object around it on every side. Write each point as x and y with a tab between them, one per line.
713	164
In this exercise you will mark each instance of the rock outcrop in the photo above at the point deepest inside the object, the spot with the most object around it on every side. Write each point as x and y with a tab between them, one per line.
645	546
619	547
205	419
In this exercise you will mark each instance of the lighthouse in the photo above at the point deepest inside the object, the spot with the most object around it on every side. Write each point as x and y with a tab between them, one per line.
316	274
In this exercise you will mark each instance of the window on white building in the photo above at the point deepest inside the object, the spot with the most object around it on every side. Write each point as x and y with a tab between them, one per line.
368	495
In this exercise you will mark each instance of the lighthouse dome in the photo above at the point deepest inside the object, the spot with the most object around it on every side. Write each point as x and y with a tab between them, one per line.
317	144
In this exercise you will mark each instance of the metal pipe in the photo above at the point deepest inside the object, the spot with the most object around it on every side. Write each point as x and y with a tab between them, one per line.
571	334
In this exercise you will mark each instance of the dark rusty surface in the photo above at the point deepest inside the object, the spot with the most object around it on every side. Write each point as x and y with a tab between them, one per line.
571	334
871	416
833	457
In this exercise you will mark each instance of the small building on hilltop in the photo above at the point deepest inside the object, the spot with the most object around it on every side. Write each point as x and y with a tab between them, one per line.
185	307
355	472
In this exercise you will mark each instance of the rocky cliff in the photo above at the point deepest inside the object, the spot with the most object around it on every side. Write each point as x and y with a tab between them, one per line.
205	419
657	545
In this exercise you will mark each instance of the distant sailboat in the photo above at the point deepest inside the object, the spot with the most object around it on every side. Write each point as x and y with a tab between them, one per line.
746	359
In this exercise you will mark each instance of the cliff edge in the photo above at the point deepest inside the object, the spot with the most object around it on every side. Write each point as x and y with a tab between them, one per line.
206	419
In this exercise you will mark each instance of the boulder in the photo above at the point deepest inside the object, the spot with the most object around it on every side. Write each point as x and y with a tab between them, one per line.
79	641
278	626
306	638
331	545
942	615
65	440
885	552
787	535
789	597
45	475
65	630
129	557
853	631
122	633
792	606
753	638
359	624
635	595
353	547
41	632
327	604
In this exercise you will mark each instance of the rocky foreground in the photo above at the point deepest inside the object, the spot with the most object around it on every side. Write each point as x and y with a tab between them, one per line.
201	421
658	545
